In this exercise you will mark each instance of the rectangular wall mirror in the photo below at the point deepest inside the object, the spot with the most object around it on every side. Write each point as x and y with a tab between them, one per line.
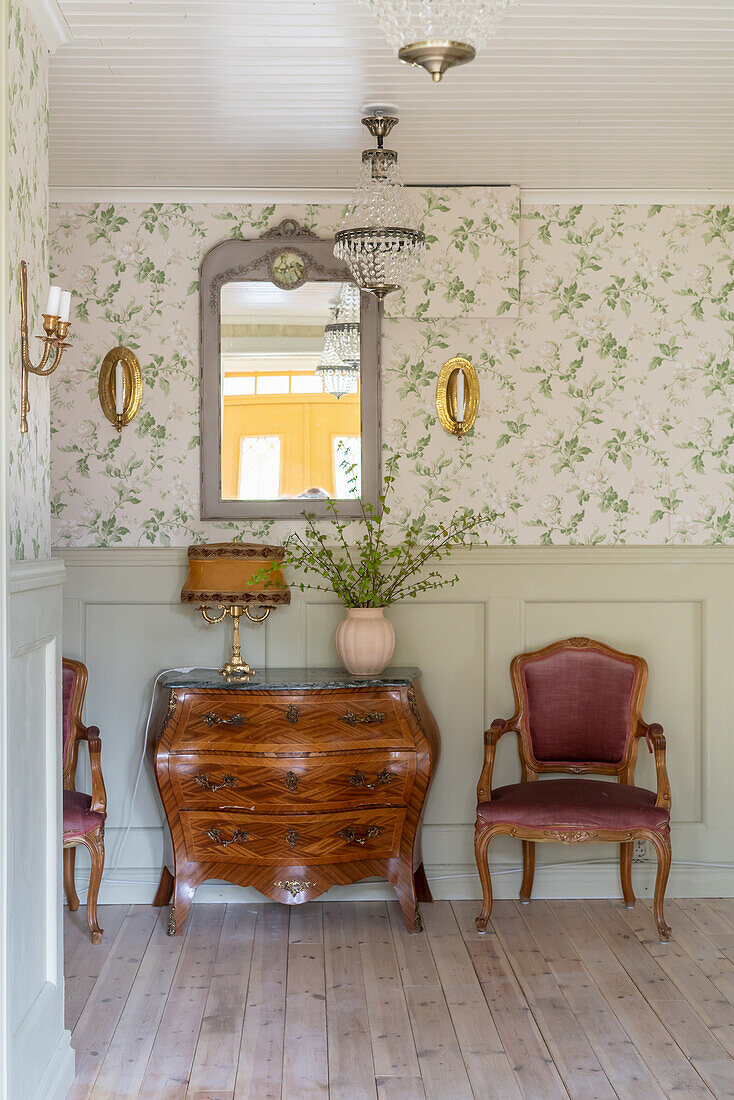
289	382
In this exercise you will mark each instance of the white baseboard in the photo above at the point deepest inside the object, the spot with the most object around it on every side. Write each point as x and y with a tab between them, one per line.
453	882
60	1071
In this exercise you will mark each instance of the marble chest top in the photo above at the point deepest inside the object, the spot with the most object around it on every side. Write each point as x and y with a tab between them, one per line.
287	679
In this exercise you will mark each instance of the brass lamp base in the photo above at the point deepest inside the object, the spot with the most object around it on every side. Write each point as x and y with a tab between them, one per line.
437	56
235	666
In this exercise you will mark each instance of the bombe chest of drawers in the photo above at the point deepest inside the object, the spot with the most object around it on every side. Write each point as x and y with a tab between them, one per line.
292	782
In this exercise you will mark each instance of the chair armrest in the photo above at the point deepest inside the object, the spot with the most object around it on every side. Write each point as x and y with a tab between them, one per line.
655	738
499	727
94	745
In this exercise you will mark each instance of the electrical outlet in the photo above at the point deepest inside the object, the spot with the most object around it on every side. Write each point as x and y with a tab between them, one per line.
639	851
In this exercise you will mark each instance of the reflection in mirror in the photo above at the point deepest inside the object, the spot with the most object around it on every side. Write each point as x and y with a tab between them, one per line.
290	385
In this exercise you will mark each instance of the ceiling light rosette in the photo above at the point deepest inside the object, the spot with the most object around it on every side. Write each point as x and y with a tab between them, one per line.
438	34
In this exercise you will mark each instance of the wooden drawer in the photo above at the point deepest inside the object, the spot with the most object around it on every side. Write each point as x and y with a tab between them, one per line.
292	838
296	783
283	721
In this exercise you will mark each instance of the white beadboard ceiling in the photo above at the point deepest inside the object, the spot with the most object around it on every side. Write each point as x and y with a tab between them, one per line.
267	94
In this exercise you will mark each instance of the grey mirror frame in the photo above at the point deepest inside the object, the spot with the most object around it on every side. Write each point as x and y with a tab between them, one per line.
249	260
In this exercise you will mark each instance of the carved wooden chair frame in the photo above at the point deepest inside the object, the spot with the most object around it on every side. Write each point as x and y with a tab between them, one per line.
531	768
93	841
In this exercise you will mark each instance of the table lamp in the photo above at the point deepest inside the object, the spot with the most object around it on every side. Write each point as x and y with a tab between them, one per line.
222	574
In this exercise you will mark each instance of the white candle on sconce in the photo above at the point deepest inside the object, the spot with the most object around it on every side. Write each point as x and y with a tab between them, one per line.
460	402
54	296
119	389
64	305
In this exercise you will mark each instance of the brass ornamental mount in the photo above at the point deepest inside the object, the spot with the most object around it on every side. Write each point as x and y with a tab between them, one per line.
120	386
293	886
56	332
457	396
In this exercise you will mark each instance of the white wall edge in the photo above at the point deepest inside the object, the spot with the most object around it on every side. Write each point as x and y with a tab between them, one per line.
50	21
327	196
25	576
59	1075
164	557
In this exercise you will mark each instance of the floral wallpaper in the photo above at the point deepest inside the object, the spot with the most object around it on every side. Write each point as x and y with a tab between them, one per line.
607	378
27	222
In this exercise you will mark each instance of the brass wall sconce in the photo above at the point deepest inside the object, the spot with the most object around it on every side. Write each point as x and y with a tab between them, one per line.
225	574
120	387
457	396
56	325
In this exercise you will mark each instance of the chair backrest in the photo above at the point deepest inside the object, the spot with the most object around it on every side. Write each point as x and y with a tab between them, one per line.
74	681
579	702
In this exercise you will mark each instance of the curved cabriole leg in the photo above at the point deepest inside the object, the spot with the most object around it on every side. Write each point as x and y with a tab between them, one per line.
661	842
528	870
164	893
95	845
405	889
481	843
183	895
422	889
625	871
69	886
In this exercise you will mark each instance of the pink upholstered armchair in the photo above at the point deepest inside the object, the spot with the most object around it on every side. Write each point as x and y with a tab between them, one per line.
577	710
84	816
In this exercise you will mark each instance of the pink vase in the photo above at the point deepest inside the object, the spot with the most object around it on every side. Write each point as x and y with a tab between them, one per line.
365	641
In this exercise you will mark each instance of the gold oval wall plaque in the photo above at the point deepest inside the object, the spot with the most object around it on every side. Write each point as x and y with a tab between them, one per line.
446	395
132	386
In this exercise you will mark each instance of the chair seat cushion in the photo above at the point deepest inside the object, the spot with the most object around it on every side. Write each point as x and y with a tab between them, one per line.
574	803
78	818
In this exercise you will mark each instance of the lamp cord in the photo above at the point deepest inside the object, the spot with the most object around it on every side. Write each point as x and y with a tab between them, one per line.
114	864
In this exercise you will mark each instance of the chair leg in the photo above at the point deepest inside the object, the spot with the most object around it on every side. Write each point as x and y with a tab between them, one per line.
69	887
95	844
661	842
528	870
625	871
481	843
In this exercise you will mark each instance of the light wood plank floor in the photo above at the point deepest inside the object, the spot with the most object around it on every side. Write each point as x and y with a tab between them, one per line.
336	1001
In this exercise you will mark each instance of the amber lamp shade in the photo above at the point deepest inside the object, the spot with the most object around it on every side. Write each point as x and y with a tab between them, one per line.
223	574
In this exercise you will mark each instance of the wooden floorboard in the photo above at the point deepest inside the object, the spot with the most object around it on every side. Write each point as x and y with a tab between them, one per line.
336	1001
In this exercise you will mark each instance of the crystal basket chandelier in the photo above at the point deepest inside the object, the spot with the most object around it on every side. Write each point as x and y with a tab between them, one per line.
437	34
344	329
379	240
339	376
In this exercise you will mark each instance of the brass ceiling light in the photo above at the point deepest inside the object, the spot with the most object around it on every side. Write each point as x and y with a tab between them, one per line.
438	34
380	240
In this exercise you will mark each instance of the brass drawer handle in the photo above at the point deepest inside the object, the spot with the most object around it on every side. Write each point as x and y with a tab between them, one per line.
373	718
292	837
211	718
359	779
293	713
351	836
216	837
291	781
204	781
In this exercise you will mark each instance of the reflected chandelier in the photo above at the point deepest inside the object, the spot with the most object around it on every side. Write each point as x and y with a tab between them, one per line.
437	34
344	329
380	240
339	377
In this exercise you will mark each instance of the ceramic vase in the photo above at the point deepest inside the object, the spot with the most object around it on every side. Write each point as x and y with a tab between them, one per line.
365	641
